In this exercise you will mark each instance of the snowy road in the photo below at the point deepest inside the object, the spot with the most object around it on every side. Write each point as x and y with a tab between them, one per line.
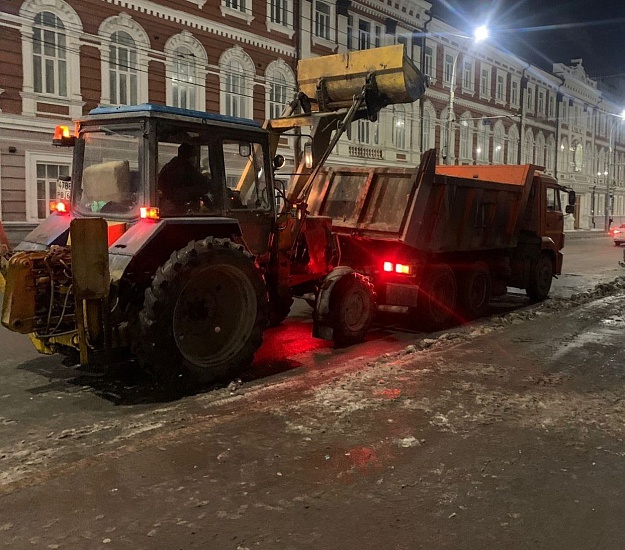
491	433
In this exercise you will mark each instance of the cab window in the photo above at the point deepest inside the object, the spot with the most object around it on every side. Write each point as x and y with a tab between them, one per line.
553	200
246	176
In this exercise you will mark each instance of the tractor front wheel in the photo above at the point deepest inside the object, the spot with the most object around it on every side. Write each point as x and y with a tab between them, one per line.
204	315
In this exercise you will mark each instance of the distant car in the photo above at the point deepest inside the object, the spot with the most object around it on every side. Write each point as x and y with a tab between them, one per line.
618	233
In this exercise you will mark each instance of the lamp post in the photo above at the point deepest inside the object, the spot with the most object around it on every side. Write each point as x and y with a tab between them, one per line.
609	173
480	34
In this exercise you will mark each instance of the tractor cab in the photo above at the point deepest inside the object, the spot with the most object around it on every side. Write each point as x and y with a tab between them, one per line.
157	162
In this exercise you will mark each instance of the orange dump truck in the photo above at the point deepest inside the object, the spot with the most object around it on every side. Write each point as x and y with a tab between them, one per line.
441	240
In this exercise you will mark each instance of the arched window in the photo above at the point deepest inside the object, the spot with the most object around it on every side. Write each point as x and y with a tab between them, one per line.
124	61
550	152
186	72
50	56
499	135
483	142
539	150
528	150
399	128
236	83
429	127
513	145
183	80
466	137
564	165
280	87
123	69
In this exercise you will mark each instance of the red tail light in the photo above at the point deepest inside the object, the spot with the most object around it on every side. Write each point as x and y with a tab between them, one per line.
60	207
402	269
149	213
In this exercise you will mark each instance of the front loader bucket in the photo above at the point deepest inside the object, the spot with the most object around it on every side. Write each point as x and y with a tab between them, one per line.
334	80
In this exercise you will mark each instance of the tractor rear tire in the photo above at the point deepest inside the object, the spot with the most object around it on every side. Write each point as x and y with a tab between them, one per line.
475	288
541	278
352	306
204	315
438	297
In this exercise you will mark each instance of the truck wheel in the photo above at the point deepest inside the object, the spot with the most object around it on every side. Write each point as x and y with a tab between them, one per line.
438	296
475	290
540	282
352	305
204	315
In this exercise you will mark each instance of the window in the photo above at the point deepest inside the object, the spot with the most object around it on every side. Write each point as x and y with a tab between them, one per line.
277	96
322	20
350	32
514	93
364	35
108	182
483	141
363	131
280	87
122	69
428	59
239	5
552	106
499	134
280	16
237	8
501	88
237	73
185	69
246	189
530	99
541	102
399	127
513	145
124	61
236	89
553	200
448	72
428	130
47	176
378	36
467	76
49	55
485	82
466	138
183	79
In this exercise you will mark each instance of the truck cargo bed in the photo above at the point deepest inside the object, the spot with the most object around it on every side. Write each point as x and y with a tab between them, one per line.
430	208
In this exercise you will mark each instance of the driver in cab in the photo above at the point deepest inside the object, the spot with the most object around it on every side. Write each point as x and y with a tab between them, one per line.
180	182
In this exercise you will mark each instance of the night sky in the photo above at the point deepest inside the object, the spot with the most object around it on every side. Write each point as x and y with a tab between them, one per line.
547	31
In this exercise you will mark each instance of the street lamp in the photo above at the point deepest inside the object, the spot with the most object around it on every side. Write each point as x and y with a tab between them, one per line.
609	173
480	34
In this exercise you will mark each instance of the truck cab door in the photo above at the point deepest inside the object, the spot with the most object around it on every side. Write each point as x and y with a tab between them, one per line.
554	217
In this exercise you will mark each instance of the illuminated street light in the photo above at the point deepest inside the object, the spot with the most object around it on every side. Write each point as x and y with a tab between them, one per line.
480	34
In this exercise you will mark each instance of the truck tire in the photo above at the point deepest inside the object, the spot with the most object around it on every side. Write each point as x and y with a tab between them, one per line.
438	296
475	288
204	315
541	277
352	306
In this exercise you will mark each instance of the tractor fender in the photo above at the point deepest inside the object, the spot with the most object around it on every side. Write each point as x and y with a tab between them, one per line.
148	244
54	230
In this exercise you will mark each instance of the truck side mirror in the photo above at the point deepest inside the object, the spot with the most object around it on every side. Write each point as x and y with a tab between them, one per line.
278	162
570	209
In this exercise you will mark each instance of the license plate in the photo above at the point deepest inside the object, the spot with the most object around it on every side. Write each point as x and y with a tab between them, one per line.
63	189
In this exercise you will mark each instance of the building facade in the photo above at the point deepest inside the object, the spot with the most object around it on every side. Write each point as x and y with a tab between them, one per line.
62	58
